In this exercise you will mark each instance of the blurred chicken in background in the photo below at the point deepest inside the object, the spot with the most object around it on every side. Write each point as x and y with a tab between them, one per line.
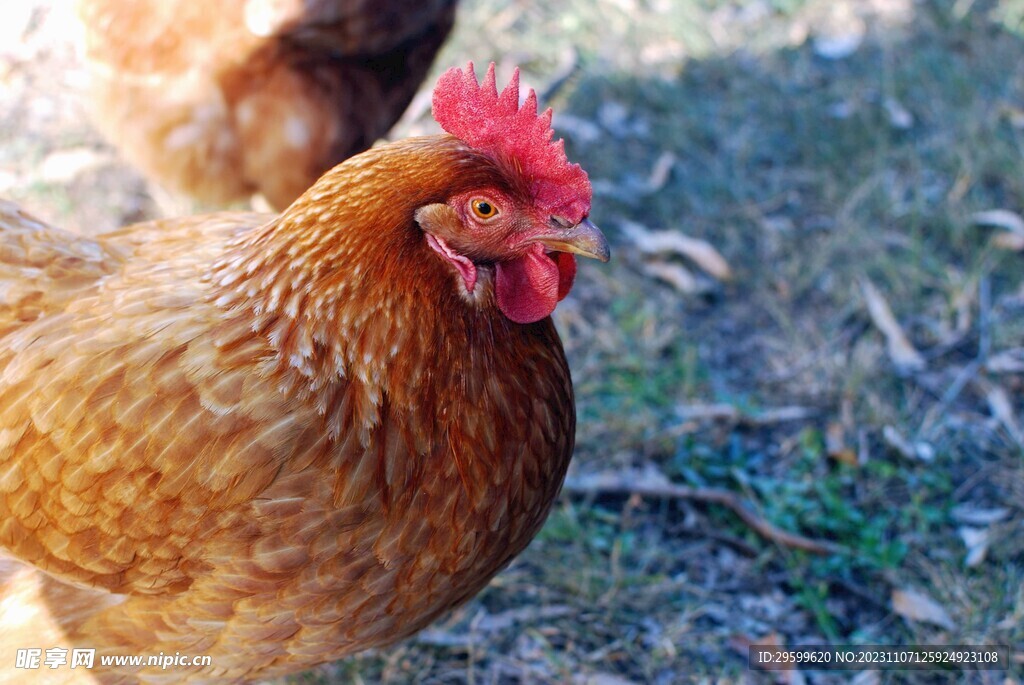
223	100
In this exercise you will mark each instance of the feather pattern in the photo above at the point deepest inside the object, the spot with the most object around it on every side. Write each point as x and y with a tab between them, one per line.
273	440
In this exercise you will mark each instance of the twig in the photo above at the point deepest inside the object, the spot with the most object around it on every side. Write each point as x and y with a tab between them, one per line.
614	483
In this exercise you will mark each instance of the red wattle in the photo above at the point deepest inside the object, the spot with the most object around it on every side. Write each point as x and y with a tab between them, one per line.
530	286
566	273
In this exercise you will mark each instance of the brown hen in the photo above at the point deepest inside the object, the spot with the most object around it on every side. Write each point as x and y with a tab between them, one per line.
280	440
221	100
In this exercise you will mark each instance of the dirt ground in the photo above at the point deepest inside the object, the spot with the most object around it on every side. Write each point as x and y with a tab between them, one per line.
799	380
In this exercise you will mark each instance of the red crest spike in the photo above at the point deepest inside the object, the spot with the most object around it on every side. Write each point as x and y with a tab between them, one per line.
496	125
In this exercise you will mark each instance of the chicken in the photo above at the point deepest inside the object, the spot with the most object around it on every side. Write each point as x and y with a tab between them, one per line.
280	440
221	100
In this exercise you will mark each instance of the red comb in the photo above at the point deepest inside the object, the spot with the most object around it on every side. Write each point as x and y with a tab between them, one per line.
477	115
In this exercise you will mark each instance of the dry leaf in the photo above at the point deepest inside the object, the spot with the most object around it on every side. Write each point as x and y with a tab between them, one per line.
977	542
899	117
700	252
1000	218
660	171
1012	222
838	46
901	352
676	275
1002	408
914	451
1008	361
965	513
915	605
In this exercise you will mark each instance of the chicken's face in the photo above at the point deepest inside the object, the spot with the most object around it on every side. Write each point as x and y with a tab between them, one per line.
529	225
530	249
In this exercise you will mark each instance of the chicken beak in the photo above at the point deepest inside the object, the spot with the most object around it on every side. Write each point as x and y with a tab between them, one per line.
584	239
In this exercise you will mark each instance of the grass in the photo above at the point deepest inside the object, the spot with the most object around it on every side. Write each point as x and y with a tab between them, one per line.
809	175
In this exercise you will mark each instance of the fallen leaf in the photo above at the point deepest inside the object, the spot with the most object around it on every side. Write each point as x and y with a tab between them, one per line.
902	353
971	515
1002	409
660	171
1008	361
899	117
700	252
836	47
1000	218
1011	222
914	451
977	542
915	605
676	275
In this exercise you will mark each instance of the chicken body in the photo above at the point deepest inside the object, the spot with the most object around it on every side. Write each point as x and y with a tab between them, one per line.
274	441
223	99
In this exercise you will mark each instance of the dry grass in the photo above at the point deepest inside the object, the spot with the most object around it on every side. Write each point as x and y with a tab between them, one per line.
819	147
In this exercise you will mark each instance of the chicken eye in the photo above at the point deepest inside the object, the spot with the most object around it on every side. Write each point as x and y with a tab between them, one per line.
484	209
